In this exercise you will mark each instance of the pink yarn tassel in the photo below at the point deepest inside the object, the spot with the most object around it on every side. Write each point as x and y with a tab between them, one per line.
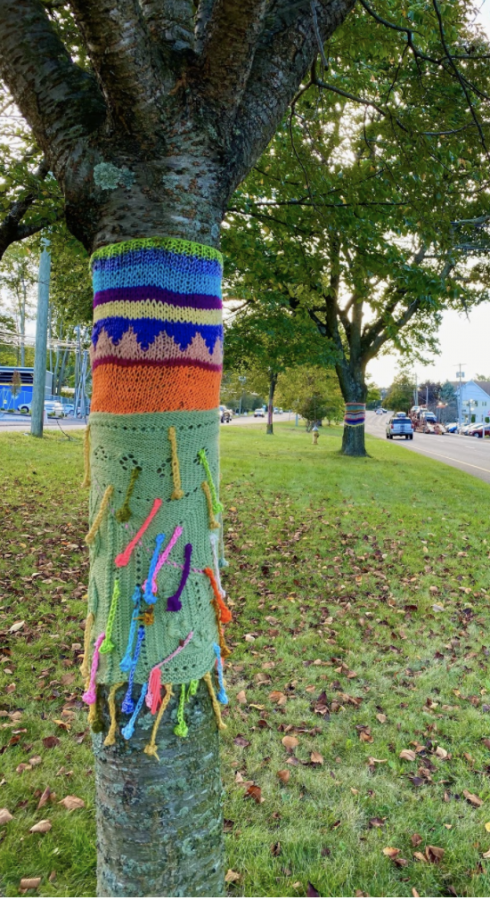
123	558
153	694
163	558
90	695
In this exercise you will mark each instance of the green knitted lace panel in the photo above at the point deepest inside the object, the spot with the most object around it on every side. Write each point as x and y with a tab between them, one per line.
119	444
173	245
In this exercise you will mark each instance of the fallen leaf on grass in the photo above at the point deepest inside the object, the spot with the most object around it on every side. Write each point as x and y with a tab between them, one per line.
240	741
27	884
16	627
35	760
22	767
434	854
44	798
381	718
51	741
5	816
276	849
278	697
290	742
372	761
71	802
316	759
472	798
284	775
232	876
441	753
376	822
416	839
391	852
255	792
311	891
41	827
241	697
409	755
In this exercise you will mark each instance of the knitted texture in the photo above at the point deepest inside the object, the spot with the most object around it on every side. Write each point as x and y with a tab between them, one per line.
157	337
119	444
156	609
355	414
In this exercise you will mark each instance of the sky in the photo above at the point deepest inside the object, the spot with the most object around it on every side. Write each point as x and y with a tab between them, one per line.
462	339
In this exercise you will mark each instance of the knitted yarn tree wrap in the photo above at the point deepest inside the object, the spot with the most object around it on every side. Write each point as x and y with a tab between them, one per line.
156	356
355	414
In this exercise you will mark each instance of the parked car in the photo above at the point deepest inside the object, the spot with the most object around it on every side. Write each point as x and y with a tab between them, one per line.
477	430
259	413
69	409
380	411
399	426
53	409
452	428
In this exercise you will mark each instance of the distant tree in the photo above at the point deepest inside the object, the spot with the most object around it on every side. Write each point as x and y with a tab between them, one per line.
429	393
273	339
373	398
18	275
313	392
400	393
482	377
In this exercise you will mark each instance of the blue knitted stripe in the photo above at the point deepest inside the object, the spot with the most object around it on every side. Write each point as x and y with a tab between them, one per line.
147	330
182	274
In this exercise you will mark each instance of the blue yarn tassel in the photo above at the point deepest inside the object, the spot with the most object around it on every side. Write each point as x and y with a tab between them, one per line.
222	695
128	730
128	702
127	660
149	595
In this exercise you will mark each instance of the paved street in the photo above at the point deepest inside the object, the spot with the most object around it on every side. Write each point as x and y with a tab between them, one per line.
472	455
23	423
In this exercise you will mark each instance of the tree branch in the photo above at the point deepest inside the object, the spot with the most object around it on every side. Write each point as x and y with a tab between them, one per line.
228	49
60	101
130	75
170	20
284	55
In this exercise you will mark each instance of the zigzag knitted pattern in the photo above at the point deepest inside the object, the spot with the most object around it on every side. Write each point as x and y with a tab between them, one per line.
355	414
157	342
157	357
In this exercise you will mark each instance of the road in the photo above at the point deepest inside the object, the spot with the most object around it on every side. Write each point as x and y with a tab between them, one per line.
472	455
23	423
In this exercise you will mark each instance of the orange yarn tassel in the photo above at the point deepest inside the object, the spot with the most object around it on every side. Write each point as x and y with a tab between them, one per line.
224	612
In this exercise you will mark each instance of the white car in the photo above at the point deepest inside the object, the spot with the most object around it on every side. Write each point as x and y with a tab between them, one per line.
380	411
259	413
53	409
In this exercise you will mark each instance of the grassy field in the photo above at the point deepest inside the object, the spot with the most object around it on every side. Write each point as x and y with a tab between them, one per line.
360	591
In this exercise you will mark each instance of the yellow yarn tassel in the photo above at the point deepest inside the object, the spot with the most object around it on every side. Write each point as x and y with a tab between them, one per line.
92	714
217	711
89	539
111	734
209	500
151	747
177	492
85	667
86	458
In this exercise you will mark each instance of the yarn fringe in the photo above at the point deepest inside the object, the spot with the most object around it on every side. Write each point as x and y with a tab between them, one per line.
86	458
90	537
111	734
177	493
85	667
209	501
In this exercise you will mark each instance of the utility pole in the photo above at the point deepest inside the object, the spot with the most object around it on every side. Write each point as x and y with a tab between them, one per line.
460	375
415	392
39	378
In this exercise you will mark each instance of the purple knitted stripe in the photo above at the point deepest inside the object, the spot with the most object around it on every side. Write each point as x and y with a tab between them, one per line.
162	295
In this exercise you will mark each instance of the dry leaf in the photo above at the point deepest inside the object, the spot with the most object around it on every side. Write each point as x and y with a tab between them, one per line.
284	775
71	802
316	758
35	760
419	856
16	627
41	827
278	697
51	741
22	768
311	891
290	742
255	792
44	798
376	822
441	753
434	854
416	839
472	798
232	876
381	718
392	852
415	893
486	855
241	697
409	755
5	816
372	761
27	884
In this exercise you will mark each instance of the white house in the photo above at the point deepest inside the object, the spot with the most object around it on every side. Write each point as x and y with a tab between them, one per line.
475	399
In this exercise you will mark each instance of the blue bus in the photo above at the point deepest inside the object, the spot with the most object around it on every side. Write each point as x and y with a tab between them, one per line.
24	396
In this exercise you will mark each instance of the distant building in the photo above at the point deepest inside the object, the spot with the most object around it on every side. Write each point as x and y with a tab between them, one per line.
10	398
475	399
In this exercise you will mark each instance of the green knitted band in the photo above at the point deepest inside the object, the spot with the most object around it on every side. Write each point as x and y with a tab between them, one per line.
119	444
173	245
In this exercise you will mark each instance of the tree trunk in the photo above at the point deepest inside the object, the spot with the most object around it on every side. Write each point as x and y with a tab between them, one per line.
270	408
154	429
354	390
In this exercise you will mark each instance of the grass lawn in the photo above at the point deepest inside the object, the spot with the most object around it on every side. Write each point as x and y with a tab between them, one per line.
360	591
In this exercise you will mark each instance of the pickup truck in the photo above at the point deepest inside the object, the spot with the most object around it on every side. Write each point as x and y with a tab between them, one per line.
399	426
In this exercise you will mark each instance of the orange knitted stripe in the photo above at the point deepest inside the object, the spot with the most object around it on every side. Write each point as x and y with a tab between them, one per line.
138	389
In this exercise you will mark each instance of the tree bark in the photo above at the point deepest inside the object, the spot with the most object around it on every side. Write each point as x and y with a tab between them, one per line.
354	390
270	408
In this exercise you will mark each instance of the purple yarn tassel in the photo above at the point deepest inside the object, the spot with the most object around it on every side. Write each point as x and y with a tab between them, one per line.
173	602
